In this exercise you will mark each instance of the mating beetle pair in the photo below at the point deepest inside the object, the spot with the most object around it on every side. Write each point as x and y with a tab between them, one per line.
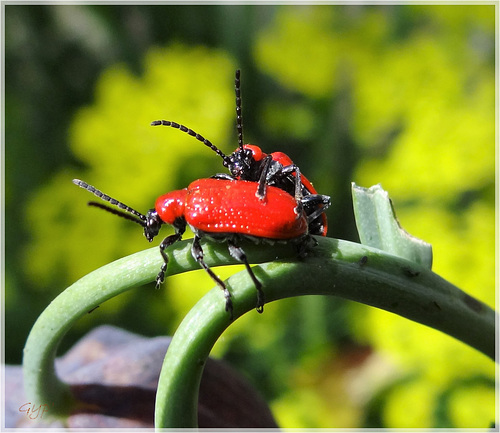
265	198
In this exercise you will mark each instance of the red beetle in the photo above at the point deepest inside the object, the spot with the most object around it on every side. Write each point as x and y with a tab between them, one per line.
248	162
222	210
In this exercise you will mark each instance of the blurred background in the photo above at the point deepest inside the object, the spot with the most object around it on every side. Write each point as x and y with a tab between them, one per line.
401	95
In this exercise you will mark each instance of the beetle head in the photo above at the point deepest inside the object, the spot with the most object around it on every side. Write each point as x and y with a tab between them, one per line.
152	224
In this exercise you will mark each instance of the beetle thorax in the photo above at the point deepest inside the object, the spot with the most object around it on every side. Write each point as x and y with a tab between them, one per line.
170	207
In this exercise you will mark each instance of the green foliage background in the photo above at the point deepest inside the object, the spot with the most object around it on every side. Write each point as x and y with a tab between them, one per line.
398	95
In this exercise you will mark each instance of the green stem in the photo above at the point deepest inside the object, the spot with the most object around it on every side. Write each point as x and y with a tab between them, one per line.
40	379
338	268
333	268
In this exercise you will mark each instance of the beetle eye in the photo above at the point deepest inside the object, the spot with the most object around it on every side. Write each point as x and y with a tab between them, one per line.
253	151
250	155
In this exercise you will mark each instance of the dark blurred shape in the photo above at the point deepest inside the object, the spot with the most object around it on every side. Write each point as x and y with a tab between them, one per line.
115	373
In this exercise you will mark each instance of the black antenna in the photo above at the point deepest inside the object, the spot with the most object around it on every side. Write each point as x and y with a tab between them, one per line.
192	134
117	212
114	202
239	118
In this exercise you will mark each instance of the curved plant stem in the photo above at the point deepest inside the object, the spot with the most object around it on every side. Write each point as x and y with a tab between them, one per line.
40	379
338	268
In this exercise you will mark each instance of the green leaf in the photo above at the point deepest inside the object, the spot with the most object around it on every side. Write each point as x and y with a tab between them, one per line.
379	228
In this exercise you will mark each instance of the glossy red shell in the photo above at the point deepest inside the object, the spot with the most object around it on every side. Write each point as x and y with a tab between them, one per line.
227	206
285	160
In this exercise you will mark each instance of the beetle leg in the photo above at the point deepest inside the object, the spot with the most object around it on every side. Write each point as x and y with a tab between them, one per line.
292	168
261	190
238	254
298	191
318	201
169	240
304	244
222	176
197	253
289	169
